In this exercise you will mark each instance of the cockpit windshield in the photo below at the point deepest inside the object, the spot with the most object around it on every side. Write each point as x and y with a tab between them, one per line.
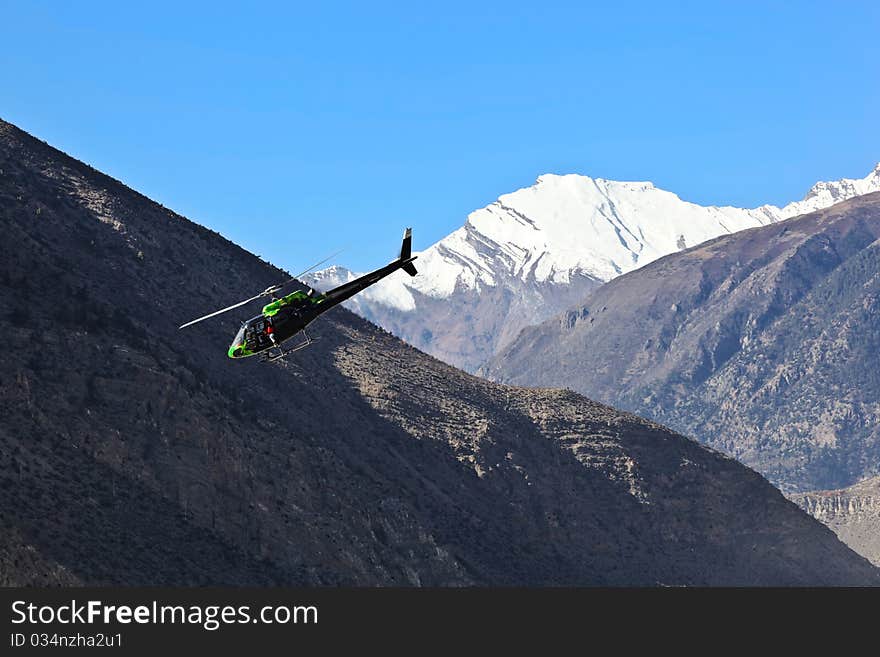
238	349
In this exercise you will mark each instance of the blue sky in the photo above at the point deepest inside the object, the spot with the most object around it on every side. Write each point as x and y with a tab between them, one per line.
298	128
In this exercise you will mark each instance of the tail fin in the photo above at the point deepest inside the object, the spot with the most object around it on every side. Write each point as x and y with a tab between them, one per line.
406	246
406	253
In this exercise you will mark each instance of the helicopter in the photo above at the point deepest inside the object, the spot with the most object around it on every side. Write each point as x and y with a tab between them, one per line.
286	316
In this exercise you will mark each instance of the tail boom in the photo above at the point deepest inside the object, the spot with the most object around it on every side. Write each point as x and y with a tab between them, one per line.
404	262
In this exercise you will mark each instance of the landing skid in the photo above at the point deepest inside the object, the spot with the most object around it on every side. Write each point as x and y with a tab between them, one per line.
277	353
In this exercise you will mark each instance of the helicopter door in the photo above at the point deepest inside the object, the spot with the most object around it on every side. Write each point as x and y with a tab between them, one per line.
255	335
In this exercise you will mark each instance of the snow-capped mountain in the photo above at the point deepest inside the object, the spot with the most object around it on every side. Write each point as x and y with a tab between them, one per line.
540	249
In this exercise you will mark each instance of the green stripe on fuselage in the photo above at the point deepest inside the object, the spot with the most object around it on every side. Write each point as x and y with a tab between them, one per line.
271	309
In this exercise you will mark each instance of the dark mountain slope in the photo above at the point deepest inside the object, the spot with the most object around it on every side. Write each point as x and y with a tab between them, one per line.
763	343
134	453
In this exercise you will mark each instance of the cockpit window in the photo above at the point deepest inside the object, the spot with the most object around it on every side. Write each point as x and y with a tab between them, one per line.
238	348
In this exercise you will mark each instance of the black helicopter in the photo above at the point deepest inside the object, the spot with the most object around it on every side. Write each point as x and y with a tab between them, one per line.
284	317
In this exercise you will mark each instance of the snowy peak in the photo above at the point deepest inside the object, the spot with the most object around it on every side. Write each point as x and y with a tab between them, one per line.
571	223
824	194
335	275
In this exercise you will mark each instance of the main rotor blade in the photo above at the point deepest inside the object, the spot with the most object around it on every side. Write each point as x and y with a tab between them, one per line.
306	271
220	312
265	293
